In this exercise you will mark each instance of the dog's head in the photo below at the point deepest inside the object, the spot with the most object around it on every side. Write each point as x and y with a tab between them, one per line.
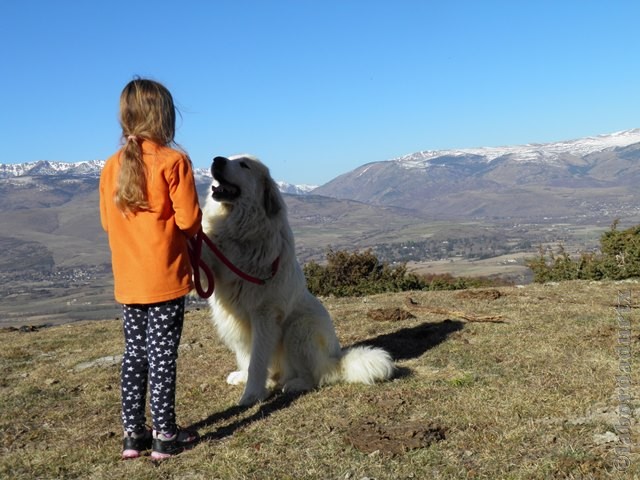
244	179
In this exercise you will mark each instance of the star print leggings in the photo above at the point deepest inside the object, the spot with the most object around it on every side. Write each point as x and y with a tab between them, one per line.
152	336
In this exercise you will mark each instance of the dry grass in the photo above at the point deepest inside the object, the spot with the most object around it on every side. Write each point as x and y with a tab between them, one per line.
532	397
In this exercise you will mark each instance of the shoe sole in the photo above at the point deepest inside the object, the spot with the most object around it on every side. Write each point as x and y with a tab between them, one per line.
162	456
130	454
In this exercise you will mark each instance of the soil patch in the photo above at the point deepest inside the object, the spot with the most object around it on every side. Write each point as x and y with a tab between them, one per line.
369	437
389	314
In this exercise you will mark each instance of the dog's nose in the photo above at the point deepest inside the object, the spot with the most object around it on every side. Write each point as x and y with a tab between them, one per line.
218	164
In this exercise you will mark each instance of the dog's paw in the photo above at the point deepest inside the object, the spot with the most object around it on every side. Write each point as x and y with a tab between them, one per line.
251	398
297	385
272	384
237	378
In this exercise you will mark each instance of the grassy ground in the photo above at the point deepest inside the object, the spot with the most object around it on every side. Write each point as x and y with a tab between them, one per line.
530	395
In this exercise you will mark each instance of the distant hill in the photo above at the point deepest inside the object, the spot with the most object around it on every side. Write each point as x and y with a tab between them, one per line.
577	179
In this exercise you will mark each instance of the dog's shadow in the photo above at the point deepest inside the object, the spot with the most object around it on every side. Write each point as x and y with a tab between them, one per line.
412	342
403	344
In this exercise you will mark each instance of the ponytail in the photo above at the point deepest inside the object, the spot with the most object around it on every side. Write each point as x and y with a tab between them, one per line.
146	112
131	190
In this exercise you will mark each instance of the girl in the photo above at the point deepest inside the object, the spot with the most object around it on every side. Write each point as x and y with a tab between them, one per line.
149	209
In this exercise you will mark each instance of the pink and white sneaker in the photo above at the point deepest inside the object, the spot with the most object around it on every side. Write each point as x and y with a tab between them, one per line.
167	445
136	442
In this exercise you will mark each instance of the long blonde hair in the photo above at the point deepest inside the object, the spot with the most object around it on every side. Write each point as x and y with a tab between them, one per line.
146	112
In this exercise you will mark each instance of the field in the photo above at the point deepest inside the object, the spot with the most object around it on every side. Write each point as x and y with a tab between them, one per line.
532	382
49	278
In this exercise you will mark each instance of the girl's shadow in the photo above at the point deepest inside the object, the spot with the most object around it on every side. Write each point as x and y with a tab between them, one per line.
276	402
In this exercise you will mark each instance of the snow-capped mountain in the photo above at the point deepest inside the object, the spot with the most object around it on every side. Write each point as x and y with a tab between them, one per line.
203	175
44	167
551	179
592	174
92	169
534	152
285	187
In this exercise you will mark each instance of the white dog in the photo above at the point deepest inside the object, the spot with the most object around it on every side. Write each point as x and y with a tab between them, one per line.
280	333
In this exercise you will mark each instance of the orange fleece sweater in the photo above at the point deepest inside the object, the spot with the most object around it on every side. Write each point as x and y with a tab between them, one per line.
149	252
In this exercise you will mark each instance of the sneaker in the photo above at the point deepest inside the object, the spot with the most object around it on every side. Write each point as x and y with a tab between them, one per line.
167	445
136	442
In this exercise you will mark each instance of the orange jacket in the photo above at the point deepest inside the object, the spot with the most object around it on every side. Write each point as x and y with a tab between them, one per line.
149	252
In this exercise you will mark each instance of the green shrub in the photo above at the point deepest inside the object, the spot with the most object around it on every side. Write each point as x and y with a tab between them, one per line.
358	274
619	258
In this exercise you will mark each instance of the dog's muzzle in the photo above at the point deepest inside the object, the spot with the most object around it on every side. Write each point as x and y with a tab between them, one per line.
224	190
218	165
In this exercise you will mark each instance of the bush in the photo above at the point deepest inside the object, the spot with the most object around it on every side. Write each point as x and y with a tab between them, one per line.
619	258
358	274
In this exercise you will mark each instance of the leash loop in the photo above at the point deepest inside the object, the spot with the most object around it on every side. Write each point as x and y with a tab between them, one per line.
197	264
195	255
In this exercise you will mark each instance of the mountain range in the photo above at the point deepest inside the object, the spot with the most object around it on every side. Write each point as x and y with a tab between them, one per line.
442	205
591	176
92	168
580	179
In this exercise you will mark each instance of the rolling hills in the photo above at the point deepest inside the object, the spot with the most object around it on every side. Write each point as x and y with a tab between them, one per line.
471	210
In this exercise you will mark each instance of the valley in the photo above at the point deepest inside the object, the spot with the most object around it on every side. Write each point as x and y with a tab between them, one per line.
471	212
70	280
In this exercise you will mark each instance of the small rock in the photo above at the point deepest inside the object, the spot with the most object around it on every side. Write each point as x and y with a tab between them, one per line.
109	361
608	437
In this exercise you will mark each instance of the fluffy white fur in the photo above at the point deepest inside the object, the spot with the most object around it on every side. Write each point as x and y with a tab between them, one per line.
280	333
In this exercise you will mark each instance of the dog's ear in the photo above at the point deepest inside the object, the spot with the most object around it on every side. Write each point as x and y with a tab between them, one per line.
272	198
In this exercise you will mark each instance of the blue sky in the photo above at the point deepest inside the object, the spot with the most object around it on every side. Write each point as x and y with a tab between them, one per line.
318	88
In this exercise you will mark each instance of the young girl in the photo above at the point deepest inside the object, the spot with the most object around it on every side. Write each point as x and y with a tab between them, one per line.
149	209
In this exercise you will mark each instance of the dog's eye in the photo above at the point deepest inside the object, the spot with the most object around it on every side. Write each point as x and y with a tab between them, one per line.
244	165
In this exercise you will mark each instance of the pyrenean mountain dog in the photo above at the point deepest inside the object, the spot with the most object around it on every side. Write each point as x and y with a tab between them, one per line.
280	333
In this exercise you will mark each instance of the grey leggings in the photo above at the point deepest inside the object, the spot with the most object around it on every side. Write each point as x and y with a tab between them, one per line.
152	336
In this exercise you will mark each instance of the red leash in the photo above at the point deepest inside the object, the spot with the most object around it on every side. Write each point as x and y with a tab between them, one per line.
195	255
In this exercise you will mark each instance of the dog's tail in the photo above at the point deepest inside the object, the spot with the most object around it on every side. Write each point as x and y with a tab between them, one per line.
364	364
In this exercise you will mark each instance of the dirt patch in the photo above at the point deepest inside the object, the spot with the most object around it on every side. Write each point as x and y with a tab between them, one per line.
369	437
390	432
389	314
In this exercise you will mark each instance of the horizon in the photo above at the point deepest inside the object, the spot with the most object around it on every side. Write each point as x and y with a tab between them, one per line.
480	149
317	89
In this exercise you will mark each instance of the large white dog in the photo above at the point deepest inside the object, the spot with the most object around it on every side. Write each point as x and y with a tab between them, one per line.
280	333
